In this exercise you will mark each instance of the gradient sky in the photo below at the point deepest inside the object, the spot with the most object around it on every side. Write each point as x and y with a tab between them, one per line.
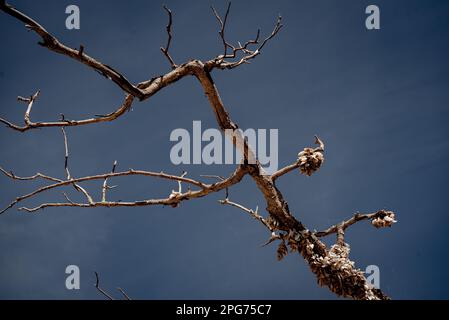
379	100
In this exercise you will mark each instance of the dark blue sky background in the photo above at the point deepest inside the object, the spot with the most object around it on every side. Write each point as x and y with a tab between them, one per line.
379	100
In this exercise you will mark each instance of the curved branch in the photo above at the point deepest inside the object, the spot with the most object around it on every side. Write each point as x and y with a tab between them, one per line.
50	42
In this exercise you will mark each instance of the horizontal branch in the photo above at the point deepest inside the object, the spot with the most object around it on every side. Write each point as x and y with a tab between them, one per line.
36	176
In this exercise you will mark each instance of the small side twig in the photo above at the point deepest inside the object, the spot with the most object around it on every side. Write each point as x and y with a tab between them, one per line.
222	23
105	183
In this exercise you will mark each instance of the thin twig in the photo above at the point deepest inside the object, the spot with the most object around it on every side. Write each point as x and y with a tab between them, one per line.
297	164
50	42
220	61
123	293
105	183
66	167
222	23
165	50
205	190
97	285
72	123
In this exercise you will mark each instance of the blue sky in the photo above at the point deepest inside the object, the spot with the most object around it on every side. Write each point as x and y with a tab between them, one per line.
378	99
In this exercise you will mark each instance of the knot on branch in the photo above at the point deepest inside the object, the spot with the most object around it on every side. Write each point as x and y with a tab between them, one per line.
310	160
383	219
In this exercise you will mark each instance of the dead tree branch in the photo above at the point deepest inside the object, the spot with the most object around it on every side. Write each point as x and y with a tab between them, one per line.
97	285
72	123
331	266
169	33
220	61
254	213
379	219
105	183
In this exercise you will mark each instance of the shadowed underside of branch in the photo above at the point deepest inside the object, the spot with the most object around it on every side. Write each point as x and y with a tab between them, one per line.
331	266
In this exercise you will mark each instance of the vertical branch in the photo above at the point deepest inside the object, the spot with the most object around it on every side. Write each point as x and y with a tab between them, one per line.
222	24
66	167
105	183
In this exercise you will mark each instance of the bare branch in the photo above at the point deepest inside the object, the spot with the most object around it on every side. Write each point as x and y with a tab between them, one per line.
220	178
66	166
220	61
381	215
172	200
97	285
255	214
273	238
222	24
50	42
324	263
105	183
123	293
58	204
66	157
165	50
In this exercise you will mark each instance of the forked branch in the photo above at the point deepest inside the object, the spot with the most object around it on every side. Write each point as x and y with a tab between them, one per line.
331	266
